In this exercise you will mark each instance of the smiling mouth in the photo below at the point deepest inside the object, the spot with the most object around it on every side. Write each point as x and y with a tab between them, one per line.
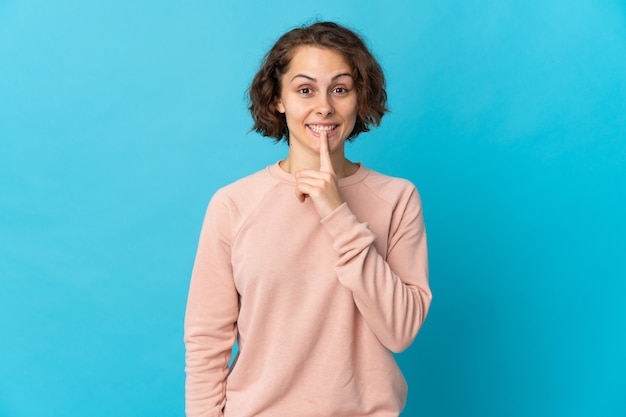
320	128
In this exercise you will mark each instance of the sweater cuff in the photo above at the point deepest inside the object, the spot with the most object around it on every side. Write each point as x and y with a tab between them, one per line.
346	231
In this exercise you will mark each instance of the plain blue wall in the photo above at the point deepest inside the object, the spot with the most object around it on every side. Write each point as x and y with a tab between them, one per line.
119	119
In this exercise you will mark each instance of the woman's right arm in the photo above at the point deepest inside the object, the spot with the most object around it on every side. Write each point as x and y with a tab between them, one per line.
211	315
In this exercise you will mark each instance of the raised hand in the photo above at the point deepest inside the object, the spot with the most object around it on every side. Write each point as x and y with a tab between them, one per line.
321	186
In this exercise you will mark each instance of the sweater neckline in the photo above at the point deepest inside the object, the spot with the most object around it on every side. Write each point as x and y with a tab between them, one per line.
277	172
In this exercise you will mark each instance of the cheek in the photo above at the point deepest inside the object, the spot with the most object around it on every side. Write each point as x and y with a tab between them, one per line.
295	113
292	120
353	107
354	113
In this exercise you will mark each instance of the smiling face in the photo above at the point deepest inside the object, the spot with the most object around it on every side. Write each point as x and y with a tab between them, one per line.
317	94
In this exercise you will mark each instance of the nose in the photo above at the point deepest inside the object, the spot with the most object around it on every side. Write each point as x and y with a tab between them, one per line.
324	106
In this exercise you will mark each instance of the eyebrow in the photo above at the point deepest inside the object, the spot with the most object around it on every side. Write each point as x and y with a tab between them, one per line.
308	77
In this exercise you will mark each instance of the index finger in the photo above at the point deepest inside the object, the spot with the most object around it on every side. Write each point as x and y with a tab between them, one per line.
326	164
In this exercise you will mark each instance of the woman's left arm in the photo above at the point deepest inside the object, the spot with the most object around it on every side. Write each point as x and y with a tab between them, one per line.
392	292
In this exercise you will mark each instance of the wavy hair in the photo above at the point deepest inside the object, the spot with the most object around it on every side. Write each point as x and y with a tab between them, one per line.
367	74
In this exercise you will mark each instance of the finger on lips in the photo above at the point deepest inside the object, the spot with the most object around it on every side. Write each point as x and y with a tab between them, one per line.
326	164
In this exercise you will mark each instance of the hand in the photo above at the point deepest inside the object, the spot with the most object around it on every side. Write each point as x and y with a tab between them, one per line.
321	186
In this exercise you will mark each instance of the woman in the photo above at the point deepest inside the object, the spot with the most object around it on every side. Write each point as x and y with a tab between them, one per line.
316	265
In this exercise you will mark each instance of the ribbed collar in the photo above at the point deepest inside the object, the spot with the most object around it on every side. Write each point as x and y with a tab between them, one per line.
277	172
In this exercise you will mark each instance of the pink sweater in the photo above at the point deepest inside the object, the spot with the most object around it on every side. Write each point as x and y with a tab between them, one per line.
317	306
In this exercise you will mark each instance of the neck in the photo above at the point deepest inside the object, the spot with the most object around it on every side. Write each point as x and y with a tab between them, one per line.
342	166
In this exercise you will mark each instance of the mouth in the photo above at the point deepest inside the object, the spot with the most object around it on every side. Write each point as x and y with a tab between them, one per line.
322	128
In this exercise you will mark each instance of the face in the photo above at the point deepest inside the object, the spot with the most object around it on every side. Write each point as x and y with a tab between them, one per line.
317	94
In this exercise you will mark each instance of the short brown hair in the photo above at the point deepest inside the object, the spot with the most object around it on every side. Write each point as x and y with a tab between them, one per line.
368	78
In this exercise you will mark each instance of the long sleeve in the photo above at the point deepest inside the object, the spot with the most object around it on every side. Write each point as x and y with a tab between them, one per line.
390	290
211	316
316	306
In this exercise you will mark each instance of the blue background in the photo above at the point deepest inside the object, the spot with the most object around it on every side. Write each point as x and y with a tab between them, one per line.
119	119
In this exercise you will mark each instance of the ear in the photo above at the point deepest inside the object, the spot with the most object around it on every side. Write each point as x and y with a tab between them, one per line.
278	104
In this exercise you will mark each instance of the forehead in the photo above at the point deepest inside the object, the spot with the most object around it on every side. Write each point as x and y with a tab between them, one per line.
317	61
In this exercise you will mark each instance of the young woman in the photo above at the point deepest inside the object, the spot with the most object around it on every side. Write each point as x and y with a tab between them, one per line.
316	265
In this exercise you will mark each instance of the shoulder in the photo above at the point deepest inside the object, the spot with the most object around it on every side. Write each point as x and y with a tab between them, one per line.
245	192
391	189
246	184
401	197
377	178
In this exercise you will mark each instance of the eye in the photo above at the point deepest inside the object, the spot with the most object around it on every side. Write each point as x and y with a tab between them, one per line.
305	91
340	90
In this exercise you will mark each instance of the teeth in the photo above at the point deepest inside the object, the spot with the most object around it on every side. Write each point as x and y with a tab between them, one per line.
320	129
